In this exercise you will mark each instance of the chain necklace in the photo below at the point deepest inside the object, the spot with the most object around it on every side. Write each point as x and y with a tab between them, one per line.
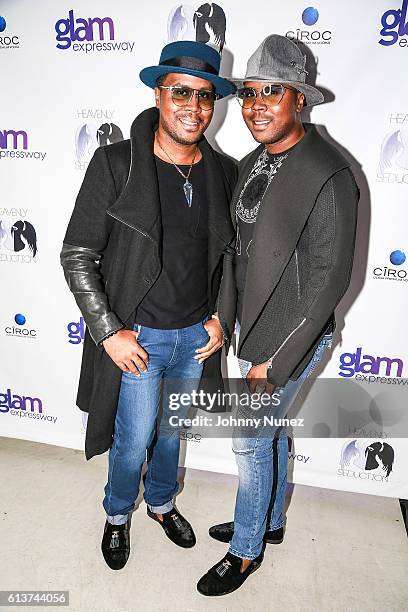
187	187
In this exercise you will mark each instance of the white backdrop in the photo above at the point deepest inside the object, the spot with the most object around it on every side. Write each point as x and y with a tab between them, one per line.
59	102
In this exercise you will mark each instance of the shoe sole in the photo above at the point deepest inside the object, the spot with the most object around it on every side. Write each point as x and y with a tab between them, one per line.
171	540
266	540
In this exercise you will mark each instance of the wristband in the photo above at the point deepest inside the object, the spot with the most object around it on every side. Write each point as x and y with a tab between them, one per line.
108	336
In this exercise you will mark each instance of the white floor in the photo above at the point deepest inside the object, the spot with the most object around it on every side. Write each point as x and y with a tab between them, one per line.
342	551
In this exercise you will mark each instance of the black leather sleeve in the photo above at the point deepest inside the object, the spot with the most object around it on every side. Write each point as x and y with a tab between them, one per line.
84	243
81	270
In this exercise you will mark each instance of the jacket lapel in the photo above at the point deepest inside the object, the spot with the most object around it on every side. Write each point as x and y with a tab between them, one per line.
220	229
139	205
282	216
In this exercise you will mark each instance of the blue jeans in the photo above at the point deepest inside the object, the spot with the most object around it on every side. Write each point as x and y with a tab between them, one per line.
260	501
139	413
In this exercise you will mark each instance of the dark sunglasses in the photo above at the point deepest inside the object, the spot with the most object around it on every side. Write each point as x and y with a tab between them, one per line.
271	94
181	95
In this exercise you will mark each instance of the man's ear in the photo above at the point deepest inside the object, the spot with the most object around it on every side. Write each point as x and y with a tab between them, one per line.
300	102
157	97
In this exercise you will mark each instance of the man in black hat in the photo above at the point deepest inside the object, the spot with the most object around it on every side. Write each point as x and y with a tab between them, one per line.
295	210
143	257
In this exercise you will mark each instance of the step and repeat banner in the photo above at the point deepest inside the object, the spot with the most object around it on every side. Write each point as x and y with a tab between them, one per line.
69	83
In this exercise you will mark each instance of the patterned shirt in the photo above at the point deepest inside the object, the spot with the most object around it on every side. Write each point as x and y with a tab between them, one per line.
246	212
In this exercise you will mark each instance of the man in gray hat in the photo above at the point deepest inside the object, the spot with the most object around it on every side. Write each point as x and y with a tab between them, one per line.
294	210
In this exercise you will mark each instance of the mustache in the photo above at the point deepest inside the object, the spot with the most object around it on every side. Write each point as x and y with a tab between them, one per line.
189	117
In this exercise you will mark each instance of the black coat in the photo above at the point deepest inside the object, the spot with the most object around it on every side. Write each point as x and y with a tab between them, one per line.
301	258
117	214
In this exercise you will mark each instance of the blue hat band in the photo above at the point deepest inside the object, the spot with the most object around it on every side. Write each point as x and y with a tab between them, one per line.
192	63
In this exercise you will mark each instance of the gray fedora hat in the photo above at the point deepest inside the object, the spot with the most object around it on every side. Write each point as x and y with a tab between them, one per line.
279	60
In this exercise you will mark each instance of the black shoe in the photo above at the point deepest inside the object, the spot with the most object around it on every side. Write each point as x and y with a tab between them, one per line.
225	531
176	527
116	545
225	576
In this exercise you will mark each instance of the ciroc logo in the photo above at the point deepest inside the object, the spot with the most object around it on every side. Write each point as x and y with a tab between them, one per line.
310	17
20	330
367	367
76	331
392	19
397	258
8	41
82	33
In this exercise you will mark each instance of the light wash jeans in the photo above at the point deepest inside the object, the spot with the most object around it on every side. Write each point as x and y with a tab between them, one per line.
260	501
171	356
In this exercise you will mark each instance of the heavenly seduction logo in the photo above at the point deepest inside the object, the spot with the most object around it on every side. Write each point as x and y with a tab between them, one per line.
76	331
8	38
19	328
395	273
361	366
312	35
395	26
364	461
205	24
393	163
88	35
91	135
14	145
18	237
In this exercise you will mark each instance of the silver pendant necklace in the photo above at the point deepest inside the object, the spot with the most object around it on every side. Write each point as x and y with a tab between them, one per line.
187	187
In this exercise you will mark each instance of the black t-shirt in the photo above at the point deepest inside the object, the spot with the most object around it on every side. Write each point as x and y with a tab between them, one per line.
179	296
246	212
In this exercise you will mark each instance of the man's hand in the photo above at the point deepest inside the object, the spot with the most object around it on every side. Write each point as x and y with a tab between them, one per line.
258	380
128	355
215	342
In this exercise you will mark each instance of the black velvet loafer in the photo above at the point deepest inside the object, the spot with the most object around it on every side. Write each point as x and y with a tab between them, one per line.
226	576
176	528
116	545
224	532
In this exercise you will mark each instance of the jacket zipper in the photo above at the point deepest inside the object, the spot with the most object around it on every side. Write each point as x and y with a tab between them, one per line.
108	212
297	274
285	341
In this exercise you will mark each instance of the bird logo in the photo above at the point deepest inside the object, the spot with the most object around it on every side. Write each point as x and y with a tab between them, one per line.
20	236
89	137
207	24
378	456
394	151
